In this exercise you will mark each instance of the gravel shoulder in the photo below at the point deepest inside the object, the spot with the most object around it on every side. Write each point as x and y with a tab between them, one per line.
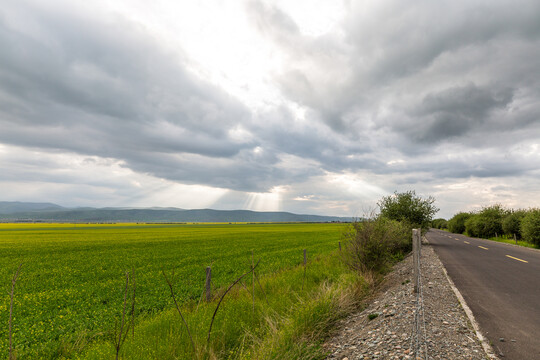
401	328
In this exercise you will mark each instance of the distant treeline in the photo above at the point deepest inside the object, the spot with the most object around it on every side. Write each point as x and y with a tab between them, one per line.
495	220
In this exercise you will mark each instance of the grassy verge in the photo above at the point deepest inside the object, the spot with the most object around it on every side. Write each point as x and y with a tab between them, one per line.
289	317
505	239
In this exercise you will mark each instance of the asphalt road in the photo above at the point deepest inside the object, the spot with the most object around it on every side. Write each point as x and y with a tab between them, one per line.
501	285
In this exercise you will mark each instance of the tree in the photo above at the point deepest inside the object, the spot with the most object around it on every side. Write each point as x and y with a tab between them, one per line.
530	226
457	223
408	207
486	223
473	226
439	223
511	224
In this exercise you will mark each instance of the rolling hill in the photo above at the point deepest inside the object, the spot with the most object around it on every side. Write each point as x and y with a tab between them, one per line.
47	212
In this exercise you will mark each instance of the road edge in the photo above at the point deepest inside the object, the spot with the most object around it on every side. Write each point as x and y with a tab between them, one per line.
493	241
483	340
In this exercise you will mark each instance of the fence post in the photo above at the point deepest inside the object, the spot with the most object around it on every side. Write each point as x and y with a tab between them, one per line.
419	239
305	261
415	258
515	238
340	246
208	284
253	281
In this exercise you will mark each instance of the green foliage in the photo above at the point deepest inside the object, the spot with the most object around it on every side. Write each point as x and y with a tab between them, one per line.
439	223
70	291
530	226
290	320
473	226
511	223
496	220
408	207
487	223
457	223
373	245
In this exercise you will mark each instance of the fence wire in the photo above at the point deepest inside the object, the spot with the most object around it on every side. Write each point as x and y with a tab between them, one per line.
419	346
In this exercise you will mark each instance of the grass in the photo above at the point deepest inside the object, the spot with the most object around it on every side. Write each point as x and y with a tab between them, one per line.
70	291
290	322
508	240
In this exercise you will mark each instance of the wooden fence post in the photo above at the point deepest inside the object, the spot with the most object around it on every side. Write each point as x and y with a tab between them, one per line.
253	281
340	246
208	284
305	261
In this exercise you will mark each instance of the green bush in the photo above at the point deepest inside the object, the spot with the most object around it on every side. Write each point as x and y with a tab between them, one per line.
487	223
530	226
439	224
491	218
408	207
511	224
373	245
473	226
457	223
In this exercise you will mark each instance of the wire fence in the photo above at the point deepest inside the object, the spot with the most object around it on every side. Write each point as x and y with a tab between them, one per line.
418	346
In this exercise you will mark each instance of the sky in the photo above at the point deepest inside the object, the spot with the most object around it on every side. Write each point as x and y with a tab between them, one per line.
307	106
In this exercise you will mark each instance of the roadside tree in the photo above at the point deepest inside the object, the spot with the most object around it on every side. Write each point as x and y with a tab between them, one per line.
511	223
439	223
408	207
457	223
530	226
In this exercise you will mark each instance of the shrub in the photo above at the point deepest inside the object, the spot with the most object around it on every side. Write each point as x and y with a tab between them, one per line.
408	207
486	223
473	227
373	245
491	218
530	226
511	223
457	223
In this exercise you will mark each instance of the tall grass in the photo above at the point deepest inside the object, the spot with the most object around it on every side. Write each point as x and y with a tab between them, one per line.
287	321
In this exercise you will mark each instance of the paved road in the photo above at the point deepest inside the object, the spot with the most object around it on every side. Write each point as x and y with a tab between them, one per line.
501	285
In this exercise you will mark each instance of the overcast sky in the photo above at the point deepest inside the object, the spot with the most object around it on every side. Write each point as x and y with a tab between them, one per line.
305	106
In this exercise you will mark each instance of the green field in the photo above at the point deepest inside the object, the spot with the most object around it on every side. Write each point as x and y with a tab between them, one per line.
70	290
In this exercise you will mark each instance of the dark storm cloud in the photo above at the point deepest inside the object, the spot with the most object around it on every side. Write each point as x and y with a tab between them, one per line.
70	82
105	87
113	73
418	75
455	111
387	93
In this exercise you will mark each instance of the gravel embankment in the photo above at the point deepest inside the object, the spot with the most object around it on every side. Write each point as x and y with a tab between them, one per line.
443	331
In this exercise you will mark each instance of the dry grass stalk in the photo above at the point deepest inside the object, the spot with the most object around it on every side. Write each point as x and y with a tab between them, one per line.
223	296
253	282
179	312
120	334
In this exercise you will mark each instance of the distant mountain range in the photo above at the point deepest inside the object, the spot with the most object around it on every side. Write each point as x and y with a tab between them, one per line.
26	211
